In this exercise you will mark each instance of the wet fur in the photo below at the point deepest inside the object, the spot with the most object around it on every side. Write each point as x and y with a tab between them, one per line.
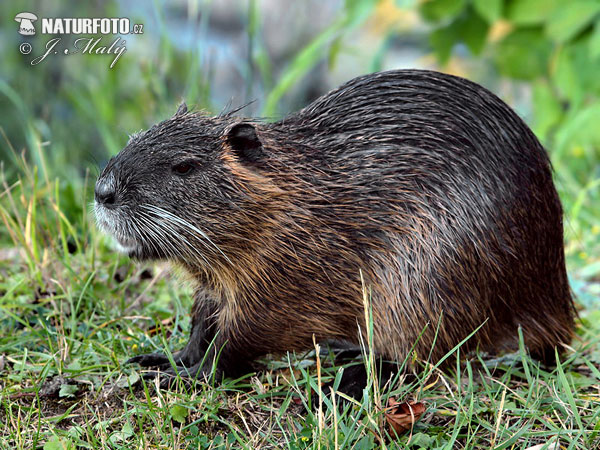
427	184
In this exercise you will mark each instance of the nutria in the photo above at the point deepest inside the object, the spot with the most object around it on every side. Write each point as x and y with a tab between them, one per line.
423	188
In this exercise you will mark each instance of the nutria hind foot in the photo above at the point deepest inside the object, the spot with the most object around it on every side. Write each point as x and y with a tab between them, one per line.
547	356
355	379
150	360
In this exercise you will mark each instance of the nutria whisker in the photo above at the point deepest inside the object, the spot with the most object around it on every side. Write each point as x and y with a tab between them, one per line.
164	235
156	240
167	216
165	224
168	231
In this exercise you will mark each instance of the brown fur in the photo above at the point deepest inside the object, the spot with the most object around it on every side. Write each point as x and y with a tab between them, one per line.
427	185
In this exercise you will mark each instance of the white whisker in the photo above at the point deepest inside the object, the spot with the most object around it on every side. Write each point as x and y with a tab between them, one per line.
157	226
174	218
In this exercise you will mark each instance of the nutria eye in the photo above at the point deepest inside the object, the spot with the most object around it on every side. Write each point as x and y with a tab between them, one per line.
183	168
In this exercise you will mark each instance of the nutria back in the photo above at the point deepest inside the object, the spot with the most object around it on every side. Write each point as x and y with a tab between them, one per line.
423	189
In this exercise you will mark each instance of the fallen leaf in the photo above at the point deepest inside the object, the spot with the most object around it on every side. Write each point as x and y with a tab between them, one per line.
165	324
401	416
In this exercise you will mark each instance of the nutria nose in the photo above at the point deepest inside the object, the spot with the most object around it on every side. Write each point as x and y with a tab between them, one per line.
105	192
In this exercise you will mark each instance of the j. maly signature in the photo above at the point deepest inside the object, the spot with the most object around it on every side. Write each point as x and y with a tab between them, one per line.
87	45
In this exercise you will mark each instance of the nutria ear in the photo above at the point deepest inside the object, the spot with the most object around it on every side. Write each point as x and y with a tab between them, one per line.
244	142
181	110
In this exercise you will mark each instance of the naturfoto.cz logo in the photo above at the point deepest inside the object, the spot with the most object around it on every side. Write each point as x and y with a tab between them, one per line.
26	20
78	26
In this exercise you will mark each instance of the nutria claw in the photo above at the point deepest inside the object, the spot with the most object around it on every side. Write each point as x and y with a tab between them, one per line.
149	360
165	371
168	377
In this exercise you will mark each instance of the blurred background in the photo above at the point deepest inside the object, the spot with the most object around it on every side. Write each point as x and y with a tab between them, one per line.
66	115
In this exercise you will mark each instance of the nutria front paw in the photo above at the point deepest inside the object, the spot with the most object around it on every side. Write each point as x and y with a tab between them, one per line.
190	376
161	360
167	373
149	360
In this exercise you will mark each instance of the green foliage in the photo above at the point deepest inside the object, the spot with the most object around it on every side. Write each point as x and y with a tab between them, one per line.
523	54
554	46
355	12
571	18
469	28
439	10
530	12
72	112
490	10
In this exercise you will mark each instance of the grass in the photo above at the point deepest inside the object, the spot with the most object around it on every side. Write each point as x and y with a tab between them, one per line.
72	310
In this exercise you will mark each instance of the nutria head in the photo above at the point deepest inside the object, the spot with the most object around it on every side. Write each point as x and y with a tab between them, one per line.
170	193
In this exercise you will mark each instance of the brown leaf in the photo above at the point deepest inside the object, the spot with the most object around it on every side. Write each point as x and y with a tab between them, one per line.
402	416
166	323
